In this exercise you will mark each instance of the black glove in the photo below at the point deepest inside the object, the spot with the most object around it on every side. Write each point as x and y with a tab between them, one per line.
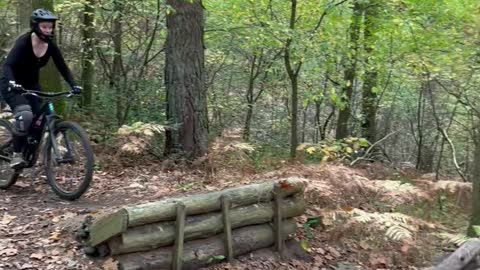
13	86
77	90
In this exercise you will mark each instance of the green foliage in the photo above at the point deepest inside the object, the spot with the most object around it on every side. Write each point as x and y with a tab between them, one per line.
310	224
216	259
331	150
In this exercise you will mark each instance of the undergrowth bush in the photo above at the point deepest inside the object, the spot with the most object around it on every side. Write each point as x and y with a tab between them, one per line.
331	150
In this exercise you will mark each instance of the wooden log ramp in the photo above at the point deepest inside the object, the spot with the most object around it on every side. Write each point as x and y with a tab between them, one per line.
155	235
165	210
193	231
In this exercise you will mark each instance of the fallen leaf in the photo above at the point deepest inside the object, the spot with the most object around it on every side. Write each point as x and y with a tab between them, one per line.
110	264
135	185
26	266
377	260
37	256
7	219
55	252
9	252
55	236
334	252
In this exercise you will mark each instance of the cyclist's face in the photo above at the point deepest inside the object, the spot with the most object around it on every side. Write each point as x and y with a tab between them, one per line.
46	27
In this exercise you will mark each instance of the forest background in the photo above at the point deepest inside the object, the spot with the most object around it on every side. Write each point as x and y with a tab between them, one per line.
309	80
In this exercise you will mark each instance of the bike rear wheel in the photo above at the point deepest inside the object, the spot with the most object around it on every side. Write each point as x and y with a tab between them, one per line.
8	176
70	169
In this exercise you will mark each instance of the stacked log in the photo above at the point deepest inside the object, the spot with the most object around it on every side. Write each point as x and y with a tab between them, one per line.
225	223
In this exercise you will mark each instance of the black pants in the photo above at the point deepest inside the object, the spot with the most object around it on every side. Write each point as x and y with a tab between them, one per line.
13	100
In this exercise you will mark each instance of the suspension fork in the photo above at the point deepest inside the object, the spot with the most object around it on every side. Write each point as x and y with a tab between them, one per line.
52	120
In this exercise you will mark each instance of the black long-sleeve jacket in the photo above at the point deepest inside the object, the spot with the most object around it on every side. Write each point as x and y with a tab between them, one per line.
23	66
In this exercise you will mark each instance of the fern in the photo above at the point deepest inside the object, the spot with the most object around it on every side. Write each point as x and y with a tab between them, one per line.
456	239
398	233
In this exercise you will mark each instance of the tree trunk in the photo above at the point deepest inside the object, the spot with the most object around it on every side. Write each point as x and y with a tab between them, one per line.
349	74
249	97
304	122
185	80
49	76
475	216
199	253
369	101
426	145
24	11
117	68
161	234
248	121
317	121
293	72
88	54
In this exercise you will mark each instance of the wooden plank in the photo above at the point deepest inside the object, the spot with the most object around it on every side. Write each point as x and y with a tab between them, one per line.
165	210
227	228
179	237
107	227
278	220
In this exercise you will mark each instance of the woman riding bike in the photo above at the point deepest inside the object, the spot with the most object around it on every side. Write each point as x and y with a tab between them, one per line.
31	52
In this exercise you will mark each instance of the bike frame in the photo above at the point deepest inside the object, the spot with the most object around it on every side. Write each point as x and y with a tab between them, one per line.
49	118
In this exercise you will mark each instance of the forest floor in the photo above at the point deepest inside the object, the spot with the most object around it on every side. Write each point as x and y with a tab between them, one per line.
370	216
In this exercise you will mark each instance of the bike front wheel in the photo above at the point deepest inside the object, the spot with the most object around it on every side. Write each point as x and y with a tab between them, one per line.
69	161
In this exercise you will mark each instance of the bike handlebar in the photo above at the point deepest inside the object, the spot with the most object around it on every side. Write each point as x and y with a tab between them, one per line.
44	94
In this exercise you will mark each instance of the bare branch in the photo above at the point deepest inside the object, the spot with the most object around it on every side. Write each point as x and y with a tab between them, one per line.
371	147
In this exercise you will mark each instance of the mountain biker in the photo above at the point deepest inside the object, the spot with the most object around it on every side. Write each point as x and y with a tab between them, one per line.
31	52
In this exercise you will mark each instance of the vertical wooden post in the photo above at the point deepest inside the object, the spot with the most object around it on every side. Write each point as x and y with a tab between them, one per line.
278	218
179	237
227	227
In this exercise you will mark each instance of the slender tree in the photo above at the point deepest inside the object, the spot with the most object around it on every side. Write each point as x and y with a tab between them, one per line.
370	96
185	80
88	53
350	72
117	66
293	71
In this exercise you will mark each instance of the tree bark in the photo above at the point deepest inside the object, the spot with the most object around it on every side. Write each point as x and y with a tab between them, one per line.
369	99
475	216
199	253
304	122
293	71
349	74
254	72
24	11
88	54
185	80
156	235
117	68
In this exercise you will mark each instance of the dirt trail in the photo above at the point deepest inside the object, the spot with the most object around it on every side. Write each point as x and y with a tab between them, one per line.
37	228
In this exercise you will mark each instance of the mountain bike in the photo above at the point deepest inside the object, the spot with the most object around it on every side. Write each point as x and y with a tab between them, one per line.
67	154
